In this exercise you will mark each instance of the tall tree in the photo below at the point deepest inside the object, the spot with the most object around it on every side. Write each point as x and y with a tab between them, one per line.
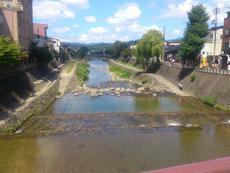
194	37
117	48
82	51
149	47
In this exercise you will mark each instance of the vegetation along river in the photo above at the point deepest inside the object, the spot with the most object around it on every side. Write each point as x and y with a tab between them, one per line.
129	133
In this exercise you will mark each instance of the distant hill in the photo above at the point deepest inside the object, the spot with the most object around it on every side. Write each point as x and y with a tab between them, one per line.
96	47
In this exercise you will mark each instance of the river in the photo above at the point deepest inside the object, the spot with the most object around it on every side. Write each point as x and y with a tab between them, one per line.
111	134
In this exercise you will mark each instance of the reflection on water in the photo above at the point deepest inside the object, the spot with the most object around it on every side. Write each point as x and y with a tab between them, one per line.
124	152
71	104
99	73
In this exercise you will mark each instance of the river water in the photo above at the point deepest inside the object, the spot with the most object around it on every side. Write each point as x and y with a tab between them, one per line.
99	134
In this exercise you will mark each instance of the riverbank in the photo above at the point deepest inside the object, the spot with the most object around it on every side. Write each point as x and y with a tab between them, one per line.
44	93
199	84
154	81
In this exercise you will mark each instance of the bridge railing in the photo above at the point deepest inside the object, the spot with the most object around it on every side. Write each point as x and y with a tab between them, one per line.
213	166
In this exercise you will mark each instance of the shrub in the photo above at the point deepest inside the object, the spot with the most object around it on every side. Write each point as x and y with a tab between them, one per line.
82	72
10	53
192	78
42	54
209	100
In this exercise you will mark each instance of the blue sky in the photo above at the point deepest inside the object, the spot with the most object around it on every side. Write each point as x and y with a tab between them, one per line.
91	21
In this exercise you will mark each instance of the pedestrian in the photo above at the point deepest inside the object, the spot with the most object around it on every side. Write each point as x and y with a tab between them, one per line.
180	86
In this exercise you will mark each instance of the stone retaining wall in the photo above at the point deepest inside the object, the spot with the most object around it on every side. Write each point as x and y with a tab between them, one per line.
205	84
38	105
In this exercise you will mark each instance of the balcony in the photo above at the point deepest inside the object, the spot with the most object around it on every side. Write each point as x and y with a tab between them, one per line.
11	5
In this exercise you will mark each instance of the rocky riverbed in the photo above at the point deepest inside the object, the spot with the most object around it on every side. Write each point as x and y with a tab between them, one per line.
96	92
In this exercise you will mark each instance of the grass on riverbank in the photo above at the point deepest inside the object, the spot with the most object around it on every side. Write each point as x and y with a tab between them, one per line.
212	101
120	72
82	72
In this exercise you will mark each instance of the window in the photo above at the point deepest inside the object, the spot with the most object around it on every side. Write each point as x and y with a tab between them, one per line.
227	32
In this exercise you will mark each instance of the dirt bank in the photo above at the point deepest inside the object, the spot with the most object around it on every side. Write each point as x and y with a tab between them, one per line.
67	81
156	82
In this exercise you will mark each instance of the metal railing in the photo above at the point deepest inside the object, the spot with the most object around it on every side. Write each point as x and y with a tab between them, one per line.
209	70
213	71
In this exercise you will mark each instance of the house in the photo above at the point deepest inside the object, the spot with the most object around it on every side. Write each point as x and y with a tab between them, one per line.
209	46
40	34
16	21
40	30
171	50
54	44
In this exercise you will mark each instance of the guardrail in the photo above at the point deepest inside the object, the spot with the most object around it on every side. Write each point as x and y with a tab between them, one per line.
213	71
198	69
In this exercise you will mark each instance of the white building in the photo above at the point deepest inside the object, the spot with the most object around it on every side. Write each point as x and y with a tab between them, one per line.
54	44
208	49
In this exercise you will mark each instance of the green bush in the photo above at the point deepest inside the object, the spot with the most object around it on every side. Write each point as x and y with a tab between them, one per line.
11	54
42	54
82	72
209	100
192	78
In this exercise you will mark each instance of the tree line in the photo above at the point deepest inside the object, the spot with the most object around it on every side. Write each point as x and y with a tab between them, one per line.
12	56
150	48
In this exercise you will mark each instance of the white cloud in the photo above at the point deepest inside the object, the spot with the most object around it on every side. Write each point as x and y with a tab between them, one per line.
78	3
126	19
178	10
75	26
50	9
61	30
137	28
176	33
126	14
97	30
91	19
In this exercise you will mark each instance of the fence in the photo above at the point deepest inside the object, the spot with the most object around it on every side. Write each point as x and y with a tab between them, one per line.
213	71
202	70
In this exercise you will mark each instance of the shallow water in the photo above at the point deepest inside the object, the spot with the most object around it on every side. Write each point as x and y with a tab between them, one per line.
71	104
124	152
65	140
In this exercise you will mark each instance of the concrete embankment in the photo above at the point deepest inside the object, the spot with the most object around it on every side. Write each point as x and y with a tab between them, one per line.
33	105
42	93
204	84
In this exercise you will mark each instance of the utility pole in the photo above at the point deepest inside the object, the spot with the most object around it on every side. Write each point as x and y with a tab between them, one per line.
216	11
164	43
